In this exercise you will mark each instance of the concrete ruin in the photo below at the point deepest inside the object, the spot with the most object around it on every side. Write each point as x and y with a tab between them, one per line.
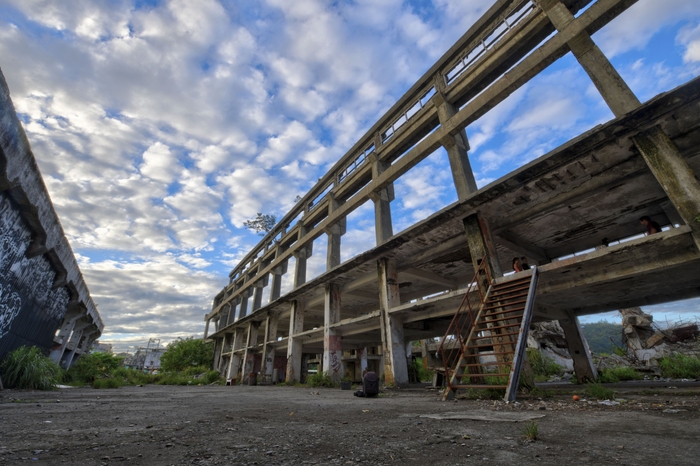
44	300
574	212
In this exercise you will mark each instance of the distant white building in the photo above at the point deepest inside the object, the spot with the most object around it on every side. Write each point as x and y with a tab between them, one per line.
146	359
101	347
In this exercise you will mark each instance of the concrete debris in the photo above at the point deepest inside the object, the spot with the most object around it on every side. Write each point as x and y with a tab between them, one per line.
549	338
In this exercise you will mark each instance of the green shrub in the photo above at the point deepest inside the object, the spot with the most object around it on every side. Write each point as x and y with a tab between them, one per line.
543	366
482	394
186	353
91	366
109	382
680	366
417	372
211	377
195	370
28	367
320	380
618	374
597	391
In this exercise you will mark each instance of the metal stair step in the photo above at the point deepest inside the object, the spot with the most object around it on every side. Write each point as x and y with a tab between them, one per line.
478	386
498	335
486	374
496	306
496	327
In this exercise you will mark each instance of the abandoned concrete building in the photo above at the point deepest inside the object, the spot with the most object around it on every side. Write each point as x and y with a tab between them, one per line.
574	212
44	300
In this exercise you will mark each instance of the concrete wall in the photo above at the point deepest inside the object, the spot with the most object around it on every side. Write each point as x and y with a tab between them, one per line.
41	287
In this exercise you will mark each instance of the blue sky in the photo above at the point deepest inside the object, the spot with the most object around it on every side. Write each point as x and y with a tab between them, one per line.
161	126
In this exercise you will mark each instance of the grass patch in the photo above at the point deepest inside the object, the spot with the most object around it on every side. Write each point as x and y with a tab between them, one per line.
482	394
651	392
680	366
109	382
28	367
321	380
618	374
530	431
542	366
541	393
597	391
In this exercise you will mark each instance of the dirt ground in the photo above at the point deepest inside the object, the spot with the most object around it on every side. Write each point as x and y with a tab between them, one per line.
163	425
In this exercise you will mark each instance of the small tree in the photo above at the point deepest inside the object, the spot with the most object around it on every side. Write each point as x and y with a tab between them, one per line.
261	224
188	352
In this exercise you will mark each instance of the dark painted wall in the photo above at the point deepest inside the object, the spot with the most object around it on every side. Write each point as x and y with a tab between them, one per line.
30	310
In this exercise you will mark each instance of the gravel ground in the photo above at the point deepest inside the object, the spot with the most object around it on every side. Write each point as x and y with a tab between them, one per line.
163	425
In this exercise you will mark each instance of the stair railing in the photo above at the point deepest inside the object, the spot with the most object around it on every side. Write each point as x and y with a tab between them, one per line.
452	343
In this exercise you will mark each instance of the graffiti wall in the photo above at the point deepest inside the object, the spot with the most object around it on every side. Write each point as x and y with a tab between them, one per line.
30	308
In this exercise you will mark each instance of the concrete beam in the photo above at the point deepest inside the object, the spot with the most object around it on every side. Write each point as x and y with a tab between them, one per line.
525	248
428	276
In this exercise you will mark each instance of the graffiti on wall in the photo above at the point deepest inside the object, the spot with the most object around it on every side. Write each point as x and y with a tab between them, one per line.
30	308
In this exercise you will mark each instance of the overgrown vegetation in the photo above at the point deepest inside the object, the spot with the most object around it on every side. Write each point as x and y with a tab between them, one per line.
418	373
680	366
530	431
599	392
482	394
186	353
92	366
603	337
320	380
28	367
618	374
542	366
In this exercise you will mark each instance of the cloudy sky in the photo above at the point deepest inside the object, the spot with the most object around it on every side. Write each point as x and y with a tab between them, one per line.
160	126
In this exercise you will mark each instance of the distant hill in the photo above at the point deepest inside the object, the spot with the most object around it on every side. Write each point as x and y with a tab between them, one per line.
598	335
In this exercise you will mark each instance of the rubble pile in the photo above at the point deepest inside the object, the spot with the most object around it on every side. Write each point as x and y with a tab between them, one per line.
548	337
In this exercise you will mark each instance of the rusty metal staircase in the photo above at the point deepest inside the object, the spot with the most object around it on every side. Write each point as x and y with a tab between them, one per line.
485	343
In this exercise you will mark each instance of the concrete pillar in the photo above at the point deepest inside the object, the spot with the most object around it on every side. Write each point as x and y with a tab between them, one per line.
248	354
334	233
276	282
243	310
578	349
224	348
457	146
294	347
259	287
234	365
382	206
63	334
481	245
393	349
301	256
332	347
206	328
268	356
360	362
218	343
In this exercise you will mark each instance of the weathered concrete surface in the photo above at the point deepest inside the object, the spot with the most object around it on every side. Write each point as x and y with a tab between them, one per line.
156	425
41	273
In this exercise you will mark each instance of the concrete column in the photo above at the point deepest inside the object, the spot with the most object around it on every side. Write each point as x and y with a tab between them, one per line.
332	346
206	328
360	362
578	349
276	283
218	343
294	347
63	334
258	293
334	233
481	245
234	366
248	354
300	267
243	310
268	356
457	146
224	342
382	206
393	349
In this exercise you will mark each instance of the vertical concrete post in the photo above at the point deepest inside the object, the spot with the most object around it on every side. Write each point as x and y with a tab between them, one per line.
224	342
481	245
332	346
360	362
382	206
301	256
248	354
457	146
276	284
578	349
393	349
268	356
243	310
258	293
294	347
206	328
235	362
218	343
334	233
